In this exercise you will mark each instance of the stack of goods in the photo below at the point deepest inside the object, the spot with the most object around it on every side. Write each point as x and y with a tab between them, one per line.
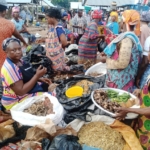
110	100
99	135
85	84
41	108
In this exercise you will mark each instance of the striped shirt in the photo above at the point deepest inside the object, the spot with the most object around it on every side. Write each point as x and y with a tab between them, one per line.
10	74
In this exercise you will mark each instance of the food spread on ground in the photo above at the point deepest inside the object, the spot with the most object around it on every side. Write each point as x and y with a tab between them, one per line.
85	84
41	108
99	135
110	100
95	74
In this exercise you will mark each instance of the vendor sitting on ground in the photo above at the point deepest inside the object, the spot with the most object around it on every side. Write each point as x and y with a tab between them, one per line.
20	25
18	80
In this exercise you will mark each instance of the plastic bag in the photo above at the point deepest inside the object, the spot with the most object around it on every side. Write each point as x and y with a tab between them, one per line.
32	120
36	134
46	143
77	68
65	142
36	57
101	46
20	133
78	103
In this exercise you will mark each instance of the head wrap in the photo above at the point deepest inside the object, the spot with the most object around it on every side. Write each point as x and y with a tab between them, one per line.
145	16
7	41
3	5
15	9
132	17
64	14
114	13
97	14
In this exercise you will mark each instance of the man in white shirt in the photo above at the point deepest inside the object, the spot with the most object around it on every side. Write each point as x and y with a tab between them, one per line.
79	24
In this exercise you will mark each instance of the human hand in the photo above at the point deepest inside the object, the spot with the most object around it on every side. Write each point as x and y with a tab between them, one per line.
137	93
137	83
45	80
40	71
121	113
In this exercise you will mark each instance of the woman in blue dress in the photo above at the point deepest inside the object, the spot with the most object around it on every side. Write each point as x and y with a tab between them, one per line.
113	25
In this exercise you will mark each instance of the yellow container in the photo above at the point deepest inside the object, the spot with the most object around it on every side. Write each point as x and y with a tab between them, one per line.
75	91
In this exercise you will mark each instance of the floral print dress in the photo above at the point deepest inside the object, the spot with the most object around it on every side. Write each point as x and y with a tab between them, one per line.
143	125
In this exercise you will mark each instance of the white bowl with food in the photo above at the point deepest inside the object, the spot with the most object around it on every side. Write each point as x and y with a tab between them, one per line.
97	70
106	104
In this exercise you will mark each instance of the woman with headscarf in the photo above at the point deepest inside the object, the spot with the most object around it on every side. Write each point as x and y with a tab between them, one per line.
18	79
20	25
88	43
7	29
144	68
131	19
123	57
113	25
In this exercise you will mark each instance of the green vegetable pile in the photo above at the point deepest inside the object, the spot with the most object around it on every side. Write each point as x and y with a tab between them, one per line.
115	97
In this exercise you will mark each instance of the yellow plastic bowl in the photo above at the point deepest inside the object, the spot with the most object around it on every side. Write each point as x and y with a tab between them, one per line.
75	91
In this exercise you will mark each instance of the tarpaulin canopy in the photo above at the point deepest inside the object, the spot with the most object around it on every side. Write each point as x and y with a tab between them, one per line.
18	1
108	2
46	3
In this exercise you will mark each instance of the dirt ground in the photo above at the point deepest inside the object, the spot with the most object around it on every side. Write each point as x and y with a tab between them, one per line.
40	30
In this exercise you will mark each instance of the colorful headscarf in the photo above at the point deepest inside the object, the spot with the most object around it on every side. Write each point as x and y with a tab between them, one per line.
15	9
7	41
145	16
132	17
114	13
97	14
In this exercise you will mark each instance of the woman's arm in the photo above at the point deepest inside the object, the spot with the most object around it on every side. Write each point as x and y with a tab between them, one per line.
64	41
124	56
21	89
18	36
122	112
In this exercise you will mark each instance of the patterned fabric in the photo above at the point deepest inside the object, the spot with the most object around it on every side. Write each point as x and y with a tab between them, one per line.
54	50
124	78
144	77
10	73
114	27
88	43
130	17
97	14
143	123
79	21
109	50
6	30
109	36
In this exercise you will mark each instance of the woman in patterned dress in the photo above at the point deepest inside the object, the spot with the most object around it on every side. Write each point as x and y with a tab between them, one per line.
123	56
56	40
142	124
88	42
18	79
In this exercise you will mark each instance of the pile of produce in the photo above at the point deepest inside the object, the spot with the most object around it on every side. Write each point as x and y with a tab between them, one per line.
61	77
95	74
99	135
41	108
101	98
110	100
85	84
